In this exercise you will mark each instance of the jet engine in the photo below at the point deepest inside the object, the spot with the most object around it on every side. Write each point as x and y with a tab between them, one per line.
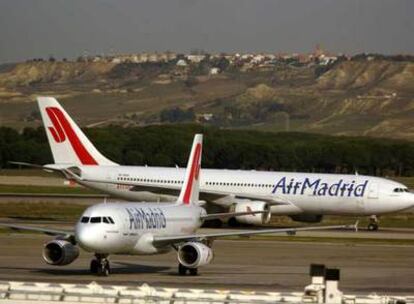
60	252
253	219
307	218
194	254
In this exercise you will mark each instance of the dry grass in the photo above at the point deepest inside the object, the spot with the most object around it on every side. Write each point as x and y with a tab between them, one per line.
17	189
41	211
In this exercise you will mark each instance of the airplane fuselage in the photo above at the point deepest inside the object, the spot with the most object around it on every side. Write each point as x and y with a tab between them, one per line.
129	228
309	193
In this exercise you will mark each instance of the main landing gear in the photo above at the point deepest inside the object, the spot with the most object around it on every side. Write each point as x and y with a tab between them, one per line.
100	265
373	223
182	270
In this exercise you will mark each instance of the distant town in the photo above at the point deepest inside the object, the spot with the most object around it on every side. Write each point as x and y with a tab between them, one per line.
241	61
319	91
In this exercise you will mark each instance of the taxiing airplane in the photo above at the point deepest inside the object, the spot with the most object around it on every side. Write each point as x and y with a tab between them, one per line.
147	228
305	197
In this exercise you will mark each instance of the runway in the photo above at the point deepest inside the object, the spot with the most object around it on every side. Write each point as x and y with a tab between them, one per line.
238	264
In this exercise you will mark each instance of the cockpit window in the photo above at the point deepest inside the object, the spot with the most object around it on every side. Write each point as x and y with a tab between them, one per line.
96	219
398	190
84	219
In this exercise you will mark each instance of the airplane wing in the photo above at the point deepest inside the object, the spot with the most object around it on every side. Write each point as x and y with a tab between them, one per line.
26	164
213	195
48	231
213	216
174	240
63	169
206	195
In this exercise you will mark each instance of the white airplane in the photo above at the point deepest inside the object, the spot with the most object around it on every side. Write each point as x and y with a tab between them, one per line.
304	197
147	228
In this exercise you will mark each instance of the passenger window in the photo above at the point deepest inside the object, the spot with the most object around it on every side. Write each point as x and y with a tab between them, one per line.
84	219
96	220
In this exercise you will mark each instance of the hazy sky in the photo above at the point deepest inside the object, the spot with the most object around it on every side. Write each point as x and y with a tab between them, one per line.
68	28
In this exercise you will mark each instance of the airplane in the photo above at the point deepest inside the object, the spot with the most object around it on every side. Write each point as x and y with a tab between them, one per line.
148	228
305	197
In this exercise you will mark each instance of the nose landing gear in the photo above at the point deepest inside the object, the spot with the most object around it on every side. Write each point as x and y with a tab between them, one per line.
100	265
182	270
373	223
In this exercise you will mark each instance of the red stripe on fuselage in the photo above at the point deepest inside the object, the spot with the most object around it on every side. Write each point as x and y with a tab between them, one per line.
61	127
194	174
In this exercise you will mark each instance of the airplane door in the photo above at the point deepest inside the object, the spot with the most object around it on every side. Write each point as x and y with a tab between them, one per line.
373	190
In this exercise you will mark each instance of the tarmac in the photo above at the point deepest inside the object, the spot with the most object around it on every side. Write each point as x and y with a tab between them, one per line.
238	264
272	264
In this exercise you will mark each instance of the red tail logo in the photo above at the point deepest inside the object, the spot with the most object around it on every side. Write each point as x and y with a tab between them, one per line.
62	129
194	174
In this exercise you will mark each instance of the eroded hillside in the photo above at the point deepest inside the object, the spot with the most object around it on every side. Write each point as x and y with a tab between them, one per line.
352	97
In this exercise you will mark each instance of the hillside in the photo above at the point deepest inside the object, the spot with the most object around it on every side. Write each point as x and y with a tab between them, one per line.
350	97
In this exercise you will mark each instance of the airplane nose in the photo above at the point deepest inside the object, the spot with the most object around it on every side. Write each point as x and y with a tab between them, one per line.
407	201
85	238
411	199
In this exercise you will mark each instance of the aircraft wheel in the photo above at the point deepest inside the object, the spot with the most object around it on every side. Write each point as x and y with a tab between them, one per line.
104	270
94	266
373	223
193	271
100	265
373	227
182	270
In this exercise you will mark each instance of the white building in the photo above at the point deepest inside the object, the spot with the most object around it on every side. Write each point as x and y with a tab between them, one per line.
195	58
181	63
214	71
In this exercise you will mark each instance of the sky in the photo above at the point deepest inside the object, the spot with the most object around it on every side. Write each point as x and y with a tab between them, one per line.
69	28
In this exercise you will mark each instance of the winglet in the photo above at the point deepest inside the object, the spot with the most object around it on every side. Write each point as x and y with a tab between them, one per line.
190	191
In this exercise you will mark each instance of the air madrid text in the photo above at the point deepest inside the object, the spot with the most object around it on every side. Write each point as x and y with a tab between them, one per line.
318	187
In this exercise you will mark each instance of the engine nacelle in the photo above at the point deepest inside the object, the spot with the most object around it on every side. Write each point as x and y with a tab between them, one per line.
253	219
193	254
307	218
60	252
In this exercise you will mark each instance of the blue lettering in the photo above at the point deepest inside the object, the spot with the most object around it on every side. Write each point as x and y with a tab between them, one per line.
296	187
322	190
308	184
334	188
318	188
343	189
360	189
131	219
281	184
351	188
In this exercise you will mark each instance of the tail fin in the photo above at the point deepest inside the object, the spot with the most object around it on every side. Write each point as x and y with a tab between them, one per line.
190	191
68	143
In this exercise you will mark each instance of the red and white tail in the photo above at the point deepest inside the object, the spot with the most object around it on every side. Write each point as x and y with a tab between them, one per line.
190	191
68	143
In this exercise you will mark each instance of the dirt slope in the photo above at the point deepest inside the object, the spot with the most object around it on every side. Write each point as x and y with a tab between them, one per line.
356	97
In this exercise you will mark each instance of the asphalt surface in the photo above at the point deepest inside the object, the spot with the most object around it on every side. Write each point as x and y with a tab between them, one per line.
238	264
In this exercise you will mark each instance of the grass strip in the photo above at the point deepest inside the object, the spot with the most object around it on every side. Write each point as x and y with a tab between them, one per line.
19	189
